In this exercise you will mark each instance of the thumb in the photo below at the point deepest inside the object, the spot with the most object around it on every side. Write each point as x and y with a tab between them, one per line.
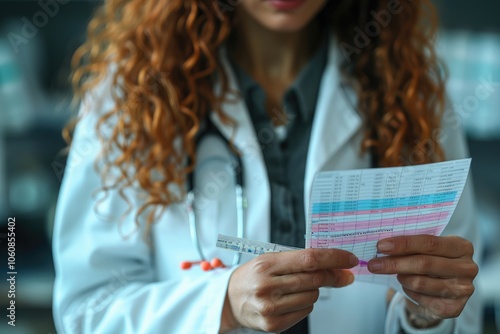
342	277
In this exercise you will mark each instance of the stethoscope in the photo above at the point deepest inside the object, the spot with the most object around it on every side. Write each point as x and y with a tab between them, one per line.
211	135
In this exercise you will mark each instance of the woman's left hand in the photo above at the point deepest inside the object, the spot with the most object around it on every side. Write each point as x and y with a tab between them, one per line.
436	272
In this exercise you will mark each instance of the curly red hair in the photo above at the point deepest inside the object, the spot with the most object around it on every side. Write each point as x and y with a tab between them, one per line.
164	59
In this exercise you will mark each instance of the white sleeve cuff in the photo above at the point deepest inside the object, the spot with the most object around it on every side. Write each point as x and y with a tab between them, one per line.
397	320
216	297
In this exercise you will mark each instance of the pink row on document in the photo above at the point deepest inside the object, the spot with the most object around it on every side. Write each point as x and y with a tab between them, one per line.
333	243
394	221
377	211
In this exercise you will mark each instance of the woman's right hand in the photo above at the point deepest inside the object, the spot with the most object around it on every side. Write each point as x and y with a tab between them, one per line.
274	291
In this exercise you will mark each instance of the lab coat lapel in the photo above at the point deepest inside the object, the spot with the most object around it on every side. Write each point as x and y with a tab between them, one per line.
335	120
256	184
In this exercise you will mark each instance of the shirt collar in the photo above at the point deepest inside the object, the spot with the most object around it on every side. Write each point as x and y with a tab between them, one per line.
305	88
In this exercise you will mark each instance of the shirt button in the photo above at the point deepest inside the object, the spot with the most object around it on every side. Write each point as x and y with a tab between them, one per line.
285	226
280	132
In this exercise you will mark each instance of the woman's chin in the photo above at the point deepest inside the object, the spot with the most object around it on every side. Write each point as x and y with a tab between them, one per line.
284	25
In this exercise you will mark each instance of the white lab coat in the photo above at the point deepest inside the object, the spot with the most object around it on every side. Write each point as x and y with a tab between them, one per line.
109	281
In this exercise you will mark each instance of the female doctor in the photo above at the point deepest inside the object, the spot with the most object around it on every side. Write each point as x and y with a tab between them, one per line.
206	117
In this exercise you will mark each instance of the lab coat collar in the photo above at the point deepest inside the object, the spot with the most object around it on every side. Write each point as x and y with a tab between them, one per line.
242	134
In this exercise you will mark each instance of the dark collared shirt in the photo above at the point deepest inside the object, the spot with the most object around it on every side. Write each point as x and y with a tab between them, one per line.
285	148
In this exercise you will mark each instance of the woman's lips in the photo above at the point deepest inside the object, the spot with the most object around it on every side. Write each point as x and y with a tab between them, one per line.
286	4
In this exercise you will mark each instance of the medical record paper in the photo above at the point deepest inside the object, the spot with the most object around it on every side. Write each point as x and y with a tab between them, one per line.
354	209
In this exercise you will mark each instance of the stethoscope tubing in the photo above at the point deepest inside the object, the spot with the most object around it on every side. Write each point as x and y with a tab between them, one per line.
193	228
241	202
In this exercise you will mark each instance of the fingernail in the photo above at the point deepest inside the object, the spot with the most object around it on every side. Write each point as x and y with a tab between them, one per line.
350	280
385	246
353	260
374	265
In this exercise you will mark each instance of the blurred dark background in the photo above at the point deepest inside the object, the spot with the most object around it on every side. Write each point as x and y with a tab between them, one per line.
34	106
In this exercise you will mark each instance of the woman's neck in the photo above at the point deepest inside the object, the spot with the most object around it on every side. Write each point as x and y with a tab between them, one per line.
271	56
